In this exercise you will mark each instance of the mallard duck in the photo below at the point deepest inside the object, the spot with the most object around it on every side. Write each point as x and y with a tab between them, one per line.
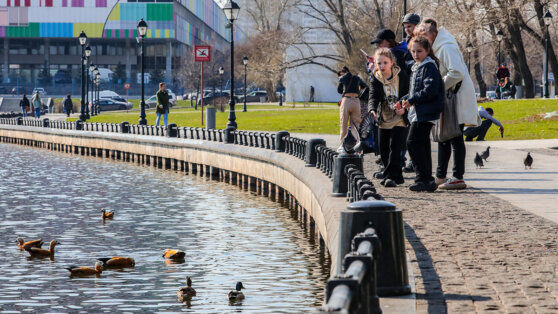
186	293
107	215
117	262
174	254
38	252
85	271
22	245
236	295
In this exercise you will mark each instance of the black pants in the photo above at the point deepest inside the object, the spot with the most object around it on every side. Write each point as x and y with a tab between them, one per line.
404	147
391	141
418	144
480	131
444	153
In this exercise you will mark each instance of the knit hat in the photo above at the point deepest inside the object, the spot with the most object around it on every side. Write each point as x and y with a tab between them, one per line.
411	18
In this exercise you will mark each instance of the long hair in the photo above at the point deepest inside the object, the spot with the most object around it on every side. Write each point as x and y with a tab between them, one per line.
425	44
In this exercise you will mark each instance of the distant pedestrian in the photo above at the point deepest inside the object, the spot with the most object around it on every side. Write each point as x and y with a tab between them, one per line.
350	102
68	105
37	104
424	103
505	89
24	104
480	131
503	72
457	82
162	104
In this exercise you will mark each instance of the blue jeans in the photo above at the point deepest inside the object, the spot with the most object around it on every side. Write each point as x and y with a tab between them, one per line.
24	112
165	118
38	113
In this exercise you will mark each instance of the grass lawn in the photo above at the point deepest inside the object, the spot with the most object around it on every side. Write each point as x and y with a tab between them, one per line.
522	119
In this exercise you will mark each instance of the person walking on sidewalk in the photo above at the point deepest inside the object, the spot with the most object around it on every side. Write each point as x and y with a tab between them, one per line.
24	104
456	80
162	104
37	104
424	102
68	105
350	102
389	84
480	131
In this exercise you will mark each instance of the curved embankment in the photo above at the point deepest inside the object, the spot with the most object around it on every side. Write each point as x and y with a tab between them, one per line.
278	175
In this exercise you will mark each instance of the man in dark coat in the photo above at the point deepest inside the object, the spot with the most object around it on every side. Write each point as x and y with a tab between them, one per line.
410	21
162	104
24	104
68	105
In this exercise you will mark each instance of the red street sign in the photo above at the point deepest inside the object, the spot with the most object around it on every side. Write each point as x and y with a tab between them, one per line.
202	53
126	85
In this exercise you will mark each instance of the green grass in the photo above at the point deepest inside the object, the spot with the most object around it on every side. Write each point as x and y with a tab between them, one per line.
522	119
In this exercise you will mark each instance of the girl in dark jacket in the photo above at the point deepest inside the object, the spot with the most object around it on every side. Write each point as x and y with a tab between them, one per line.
425	101
389	84
24	104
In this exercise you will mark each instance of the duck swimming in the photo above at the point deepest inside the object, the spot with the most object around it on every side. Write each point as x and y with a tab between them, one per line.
85	271
38	252
22	245
174	254
107	215
186	293
117	262
236	295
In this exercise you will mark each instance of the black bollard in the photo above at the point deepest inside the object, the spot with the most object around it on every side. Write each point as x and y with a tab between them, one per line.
280	99
229	135
280	141
393	278
340	186
311	154
79	125
125	127
172	130
19	120
46	123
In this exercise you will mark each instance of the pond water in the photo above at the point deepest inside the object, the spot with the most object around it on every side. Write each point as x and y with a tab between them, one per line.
228	235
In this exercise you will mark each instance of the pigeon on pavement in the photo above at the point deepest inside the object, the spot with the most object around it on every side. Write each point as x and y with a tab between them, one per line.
528	161
486	153
478	161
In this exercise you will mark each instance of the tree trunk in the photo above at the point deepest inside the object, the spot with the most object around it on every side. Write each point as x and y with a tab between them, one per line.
552	61
477	66
516	41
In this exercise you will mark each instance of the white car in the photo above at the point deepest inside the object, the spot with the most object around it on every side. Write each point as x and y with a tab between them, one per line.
41	91
152	101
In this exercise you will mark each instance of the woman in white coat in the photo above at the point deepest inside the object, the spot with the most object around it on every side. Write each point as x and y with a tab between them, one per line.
456	78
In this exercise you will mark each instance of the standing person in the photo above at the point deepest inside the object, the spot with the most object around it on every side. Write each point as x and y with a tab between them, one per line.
162	104
480	131
425	101
389	84
503	72
457	81
386	39
37	104
410	21
24	104
68	105
350	103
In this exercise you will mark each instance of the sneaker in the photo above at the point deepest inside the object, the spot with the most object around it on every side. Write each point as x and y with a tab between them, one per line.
409	168
383	182
400	181
423	186
379	175
453	184
340	149
389	183
440	181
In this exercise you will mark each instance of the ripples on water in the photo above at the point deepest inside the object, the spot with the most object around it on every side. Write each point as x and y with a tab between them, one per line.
228	236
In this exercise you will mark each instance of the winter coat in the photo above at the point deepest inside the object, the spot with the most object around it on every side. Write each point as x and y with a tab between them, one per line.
378	96
399	52
347	79
24	102
162	99
409	61
454	70
426	91
68	105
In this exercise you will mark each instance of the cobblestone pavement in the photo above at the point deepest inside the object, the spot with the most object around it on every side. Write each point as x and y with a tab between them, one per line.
473	252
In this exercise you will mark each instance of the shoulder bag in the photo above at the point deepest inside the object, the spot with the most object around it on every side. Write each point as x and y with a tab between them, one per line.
448	126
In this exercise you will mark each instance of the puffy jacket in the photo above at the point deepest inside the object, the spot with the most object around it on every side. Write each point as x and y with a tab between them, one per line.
426	91
354	80
454	70
399	52
378	96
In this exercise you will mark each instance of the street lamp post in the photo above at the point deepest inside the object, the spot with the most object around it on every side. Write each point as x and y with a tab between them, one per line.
245	62
142	30
231	10
499	37
97	78
221	72
82	41
547	21
87	55
91	68
469	50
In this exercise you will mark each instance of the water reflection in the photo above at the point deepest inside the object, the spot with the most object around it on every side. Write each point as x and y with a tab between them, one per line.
228	236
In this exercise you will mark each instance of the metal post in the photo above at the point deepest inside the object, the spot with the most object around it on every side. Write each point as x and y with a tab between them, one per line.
244	88
404	13
469	63
87	116
82	111
546	92
232	116
499	44
143	120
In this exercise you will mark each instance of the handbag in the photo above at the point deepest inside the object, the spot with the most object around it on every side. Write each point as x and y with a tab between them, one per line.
448	126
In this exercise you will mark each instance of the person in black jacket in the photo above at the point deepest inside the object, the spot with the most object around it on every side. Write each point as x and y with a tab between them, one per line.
24	104
410	21
389	84
350	103
386	39
425	102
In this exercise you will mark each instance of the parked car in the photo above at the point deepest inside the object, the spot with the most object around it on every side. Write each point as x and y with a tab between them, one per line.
208	98
109	104
254	96
152	101
62	76
41	91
